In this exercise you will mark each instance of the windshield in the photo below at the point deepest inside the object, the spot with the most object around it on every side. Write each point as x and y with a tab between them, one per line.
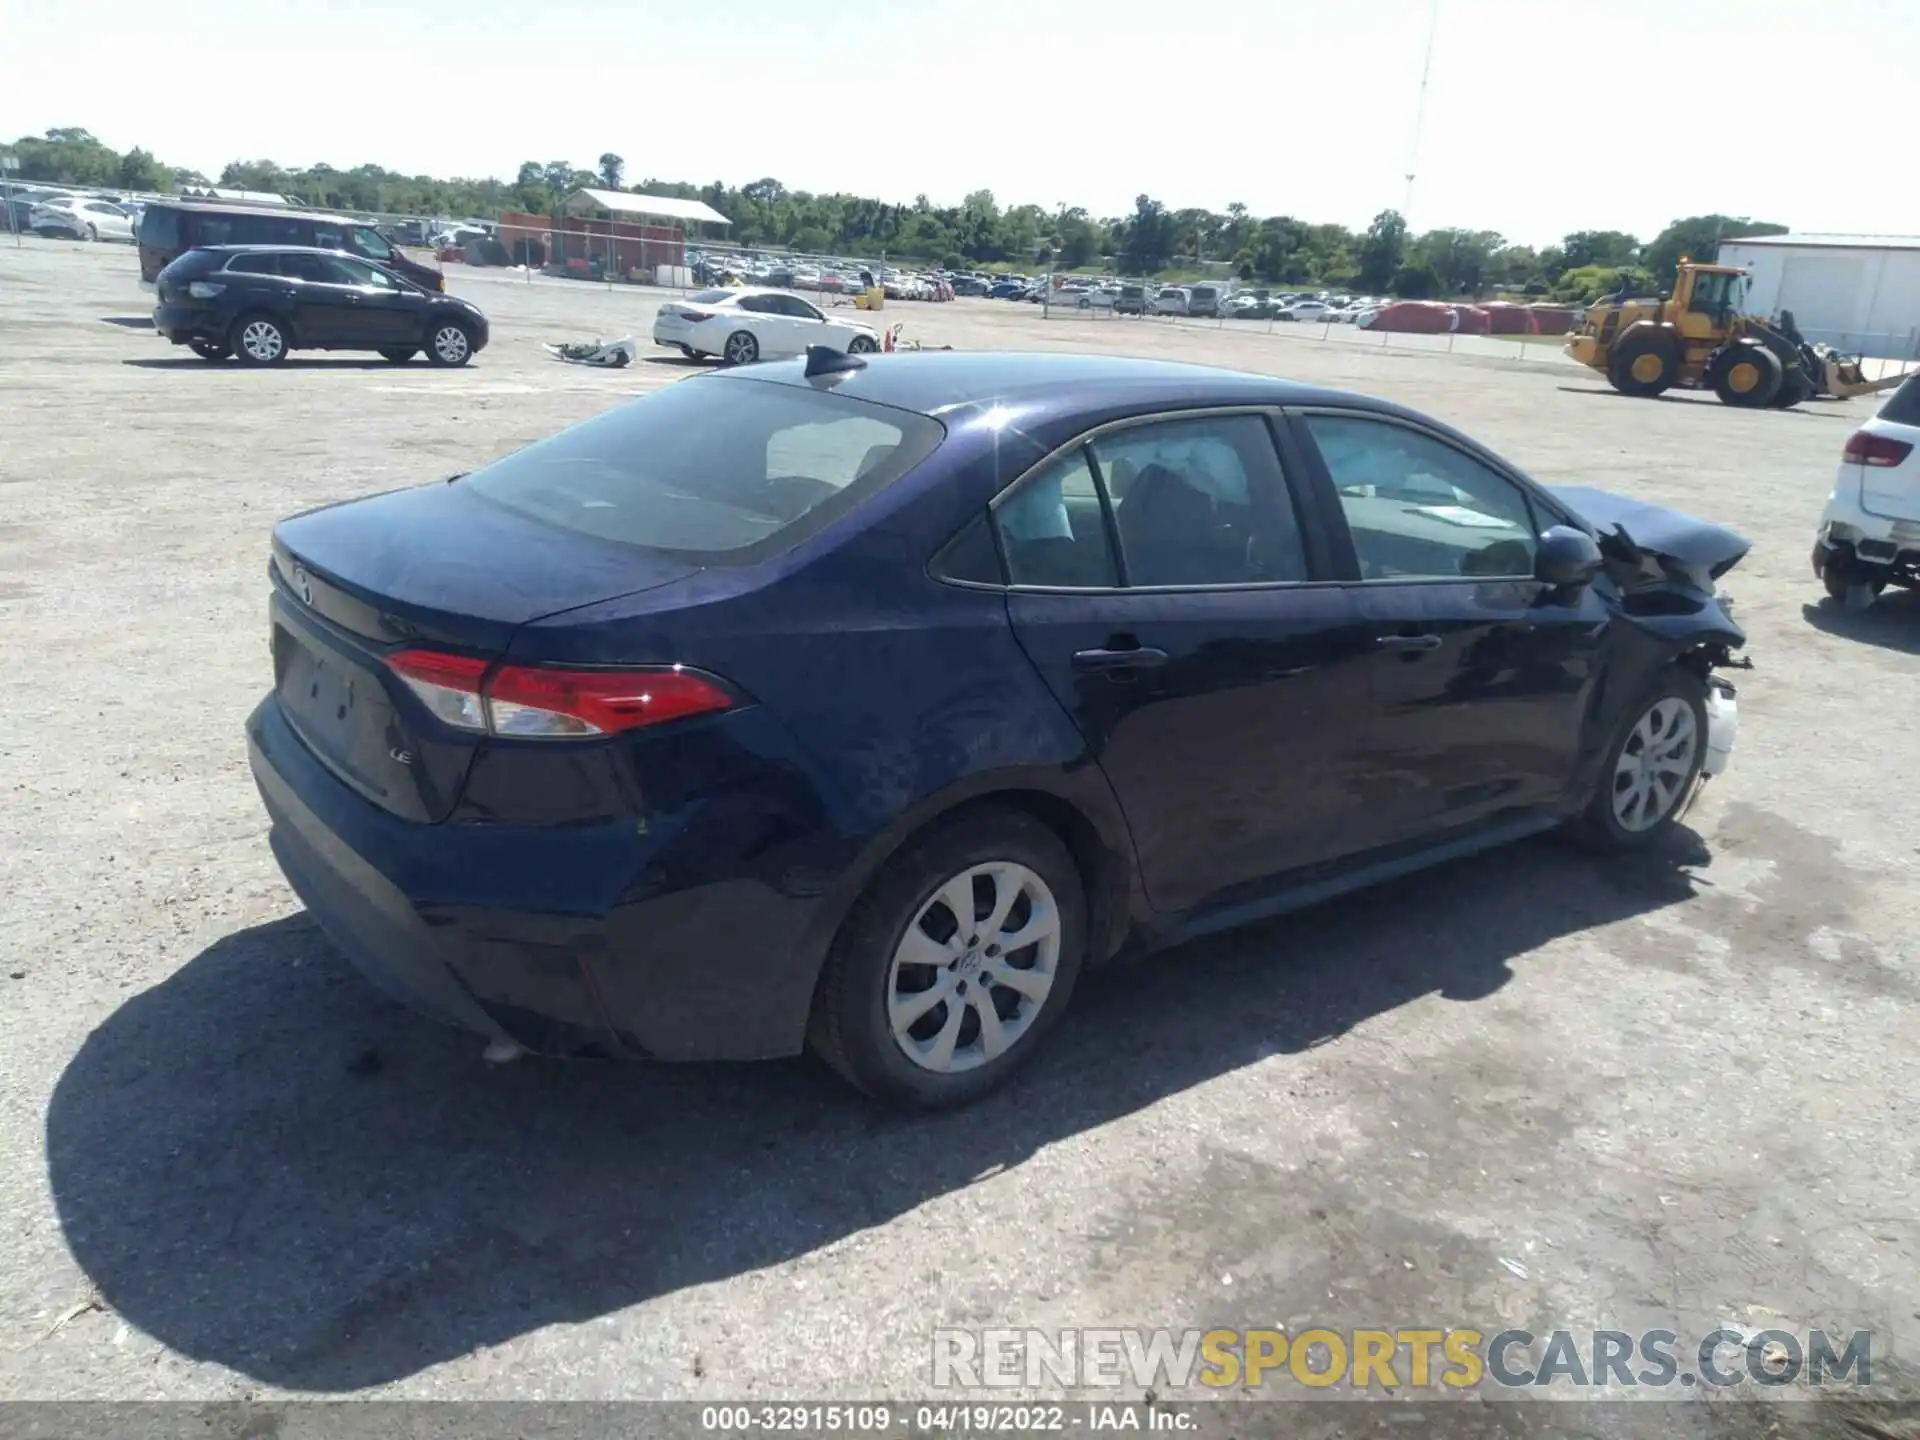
1717	292
715	469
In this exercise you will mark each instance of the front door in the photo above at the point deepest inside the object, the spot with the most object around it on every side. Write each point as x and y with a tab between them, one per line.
1165	587
1481	675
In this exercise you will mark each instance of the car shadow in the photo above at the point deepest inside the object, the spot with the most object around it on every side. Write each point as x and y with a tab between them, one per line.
684	362
264	1165
194	362
131	322
1892	622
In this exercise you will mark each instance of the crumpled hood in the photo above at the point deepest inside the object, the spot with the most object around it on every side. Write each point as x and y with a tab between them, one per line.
1694	543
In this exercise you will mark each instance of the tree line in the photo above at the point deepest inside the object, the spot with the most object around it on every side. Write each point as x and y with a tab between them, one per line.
1385	258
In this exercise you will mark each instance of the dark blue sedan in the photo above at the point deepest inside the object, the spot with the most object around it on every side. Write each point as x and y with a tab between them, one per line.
861	702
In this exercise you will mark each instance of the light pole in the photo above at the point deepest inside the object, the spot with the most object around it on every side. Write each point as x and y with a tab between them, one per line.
1420	111
9	165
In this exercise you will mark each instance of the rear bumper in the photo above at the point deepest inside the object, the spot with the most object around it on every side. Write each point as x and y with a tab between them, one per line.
580	940
1853	540
181	323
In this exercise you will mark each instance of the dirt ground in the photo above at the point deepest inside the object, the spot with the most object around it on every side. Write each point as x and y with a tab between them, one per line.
1525	1090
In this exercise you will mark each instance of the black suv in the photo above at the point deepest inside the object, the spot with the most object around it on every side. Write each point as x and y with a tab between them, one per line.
257	302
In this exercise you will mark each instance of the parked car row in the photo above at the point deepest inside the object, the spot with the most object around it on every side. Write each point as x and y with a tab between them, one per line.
830	277
69	215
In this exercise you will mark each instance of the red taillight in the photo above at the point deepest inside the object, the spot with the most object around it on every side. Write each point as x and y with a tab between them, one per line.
540	703
696	315
1866	448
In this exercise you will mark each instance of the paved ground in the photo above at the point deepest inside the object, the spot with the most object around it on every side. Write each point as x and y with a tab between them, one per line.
1526	1089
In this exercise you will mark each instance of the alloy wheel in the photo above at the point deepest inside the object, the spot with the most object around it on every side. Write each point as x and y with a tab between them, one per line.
262	341
450	343
743	349
974	968
1651	774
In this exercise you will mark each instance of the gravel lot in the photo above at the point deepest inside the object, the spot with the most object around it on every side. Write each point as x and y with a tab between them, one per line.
1527	1089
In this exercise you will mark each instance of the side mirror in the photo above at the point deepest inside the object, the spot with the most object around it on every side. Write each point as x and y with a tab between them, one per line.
1566	558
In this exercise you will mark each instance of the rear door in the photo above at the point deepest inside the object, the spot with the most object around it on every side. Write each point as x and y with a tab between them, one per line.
772	327
323	300
1480	674
1177	598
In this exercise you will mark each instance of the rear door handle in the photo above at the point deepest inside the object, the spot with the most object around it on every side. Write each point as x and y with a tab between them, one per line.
1406	642
1141	657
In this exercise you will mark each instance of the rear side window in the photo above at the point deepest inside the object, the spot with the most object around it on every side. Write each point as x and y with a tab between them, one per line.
255	264
1202	502
160	228
1903	407
718	470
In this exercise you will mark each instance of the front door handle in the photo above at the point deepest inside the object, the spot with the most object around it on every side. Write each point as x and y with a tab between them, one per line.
1139	657
1406	642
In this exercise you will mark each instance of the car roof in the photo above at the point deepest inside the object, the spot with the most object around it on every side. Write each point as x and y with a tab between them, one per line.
937	382
288	249
222	207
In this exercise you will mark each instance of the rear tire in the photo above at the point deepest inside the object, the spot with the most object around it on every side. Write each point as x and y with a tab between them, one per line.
260	340
1746	376
398	354
211	350
689	352
1643	368
1850	590
1013	876
1651	766
741	348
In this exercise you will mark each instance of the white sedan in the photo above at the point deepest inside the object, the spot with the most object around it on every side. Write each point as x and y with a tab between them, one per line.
1307	311
742	326
82	217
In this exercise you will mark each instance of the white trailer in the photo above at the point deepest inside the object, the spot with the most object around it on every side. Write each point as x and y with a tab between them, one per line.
1857	293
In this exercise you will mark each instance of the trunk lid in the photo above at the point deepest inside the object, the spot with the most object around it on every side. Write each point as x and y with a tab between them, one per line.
436	567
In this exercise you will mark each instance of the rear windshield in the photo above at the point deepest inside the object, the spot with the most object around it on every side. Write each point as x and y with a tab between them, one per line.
718	469
160	228
709	297
1903	406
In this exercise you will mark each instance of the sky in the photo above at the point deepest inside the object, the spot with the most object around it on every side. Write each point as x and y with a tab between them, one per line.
1540	117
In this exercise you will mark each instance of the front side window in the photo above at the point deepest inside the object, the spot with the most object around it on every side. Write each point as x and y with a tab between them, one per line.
1201	502
721	470
255	264
1419	509
1053	528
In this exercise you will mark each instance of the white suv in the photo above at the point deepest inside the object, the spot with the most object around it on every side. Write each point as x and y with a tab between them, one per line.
1870	534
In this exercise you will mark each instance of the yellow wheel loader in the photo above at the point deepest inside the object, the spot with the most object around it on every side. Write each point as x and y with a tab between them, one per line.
1697	338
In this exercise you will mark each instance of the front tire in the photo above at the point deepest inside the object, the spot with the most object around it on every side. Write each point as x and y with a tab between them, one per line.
259	340
741	348
861	345
1747	376
450	344
1651	767
953	966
